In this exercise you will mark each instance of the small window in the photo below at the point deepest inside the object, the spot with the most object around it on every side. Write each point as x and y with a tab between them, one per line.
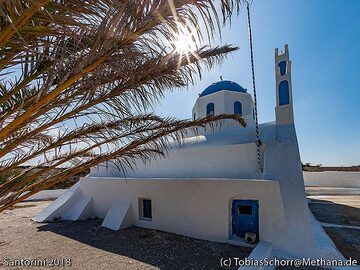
245	209
237	108
210	109
145	210
282	66
194	117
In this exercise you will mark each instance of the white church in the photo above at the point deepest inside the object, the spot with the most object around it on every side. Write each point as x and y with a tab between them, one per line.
214	187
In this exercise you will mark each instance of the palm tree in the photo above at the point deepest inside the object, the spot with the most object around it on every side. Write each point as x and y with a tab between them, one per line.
78	79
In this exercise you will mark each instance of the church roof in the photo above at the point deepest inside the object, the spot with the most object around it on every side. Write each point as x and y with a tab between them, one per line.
223	85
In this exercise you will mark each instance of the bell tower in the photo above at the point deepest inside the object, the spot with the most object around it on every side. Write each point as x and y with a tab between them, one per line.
284	102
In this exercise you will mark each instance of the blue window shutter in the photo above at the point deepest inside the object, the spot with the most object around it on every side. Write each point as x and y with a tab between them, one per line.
237	108
284	98
282	66
210	109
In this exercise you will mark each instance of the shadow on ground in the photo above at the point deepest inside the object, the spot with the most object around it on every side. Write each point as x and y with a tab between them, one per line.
160	249
330	212
347	240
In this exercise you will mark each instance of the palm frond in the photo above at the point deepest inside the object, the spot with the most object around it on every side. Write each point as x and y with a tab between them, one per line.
77	83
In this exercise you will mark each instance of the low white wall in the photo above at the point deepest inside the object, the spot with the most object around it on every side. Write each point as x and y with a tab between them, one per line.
222	161
332	179
199	208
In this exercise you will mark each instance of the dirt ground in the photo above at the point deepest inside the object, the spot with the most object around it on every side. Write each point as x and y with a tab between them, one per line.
90	246
340	210
347	241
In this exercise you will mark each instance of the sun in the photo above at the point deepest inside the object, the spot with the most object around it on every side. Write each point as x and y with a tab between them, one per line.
184	41
184	44
181	45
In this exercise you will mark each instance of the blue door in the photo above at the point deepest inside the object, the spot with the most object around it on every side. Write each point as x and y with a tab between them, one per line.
245	217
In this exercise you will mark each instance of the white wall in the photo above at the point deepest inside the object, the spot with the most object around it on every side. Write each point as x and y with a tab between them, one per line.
224	161
332	179
224	104
199	208
282	162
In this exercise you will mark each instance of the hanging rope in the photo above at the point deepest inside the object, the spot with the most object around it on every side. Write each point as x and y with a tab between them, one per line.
258	142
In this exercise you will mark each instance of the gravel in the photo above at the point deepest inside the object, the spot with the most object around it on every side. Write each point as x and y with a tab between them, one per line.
90	246
340	210
344	212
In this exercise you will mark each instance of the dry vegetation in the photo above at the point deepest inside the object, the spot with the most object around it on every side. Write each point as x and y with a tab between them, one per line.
78	81
319	168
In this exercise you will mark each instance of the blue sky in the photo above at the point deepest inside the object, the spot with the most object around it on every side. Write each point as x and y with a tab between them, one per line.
324	44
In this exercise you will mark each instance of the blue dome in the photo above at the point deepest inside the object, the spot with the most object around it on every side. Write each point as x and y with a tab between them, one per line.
223	85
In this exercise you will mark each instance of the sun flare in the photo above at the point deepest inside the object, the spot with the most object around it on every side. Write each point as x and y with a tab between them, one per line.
184	42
